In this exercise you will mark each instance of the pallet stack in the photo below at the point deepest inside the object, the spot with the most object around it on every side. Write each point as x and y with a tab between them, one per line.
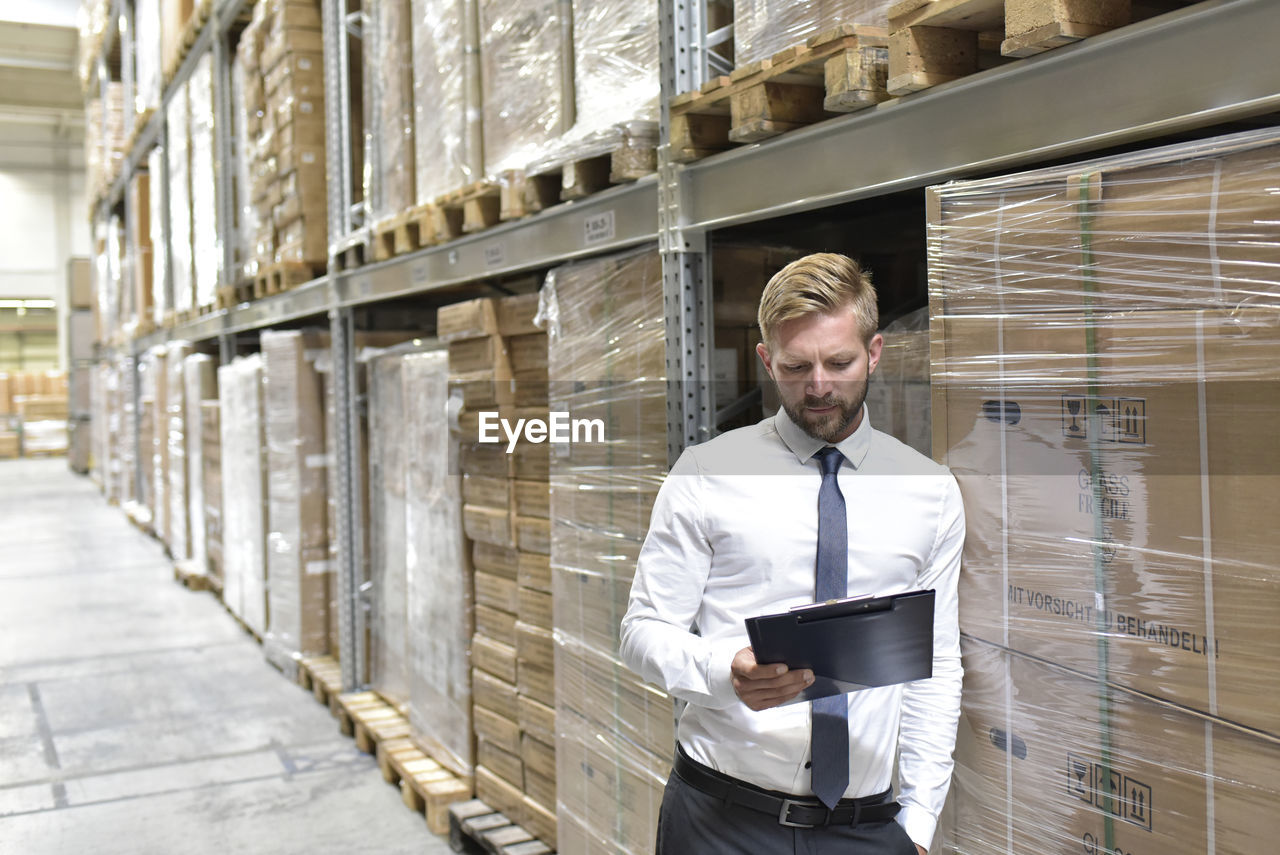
243	474
1105	348
156	214
140	249
211	496
200	384
389	69
281	53
505	511
177	153
177	437
206	249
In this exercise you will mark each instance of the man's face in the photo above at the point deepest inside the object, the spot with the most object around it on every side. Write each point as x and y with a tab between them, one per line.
821	366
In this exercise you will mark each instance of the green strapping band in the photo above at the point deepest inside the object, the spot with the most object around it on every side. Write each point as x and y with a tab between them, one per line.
1089	282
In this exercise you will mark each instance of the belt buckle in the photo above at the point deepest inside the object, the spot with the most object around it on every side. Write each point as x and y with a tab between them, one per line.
784	814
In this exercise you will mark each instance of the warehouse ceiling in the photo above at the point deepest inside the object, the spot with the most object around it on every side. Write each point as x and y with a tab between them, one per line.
41	106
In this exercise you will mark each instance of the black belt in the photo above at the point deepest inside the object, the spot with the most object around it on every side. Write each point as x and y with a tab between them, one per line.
789	810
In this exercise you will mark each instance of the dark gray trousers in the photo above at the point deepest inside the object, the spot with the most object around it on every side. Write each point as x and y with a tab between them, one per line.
694	823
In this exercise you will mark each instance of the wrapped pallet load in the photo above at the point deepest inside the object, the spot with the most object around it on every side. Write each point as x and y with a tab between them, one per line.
244	491
211	462
299	573
614	733
177	437
446	125
199	379
1105	348
178	154
148	71
206	248
159	252
390	71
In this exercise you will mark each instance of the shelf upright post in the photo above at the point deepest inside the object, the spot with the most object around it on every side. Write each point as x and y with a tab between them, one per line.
224	151
352	619
686	268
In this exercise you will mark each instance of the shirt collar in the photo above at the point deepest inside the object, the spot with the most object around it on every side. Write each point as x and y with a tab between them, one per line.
853	447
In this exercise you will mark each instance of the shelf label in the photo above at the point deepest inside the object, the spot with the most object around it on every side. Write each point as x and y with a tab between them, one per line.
494	255
418	273
599	228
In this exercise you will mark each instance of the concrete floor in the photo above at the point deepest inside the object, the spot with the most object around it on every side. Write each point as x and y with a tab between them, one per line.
137	718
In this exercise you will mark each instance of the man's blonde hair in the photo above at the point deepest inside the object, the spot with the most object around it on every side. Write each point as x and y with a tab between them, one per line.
818	284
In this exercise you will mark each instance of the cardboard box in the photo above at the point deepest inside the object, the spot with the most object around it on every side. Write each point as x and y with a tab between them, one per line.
533	499
498	731
494	657
504	764
534	571
487	491
493	694
468	319
499	560
80	283
498	794
528	352
534	608
496	624
491	525
533	534
537	719
488	353
540	819
1121	500
496	592
1054	762
612	798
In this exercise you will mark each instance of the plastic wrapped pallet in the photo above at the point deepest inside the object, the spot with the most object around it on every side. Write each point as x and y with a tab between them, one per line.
387	571
127	436
761	28
140	249
898	392
178	153
177	435
390	71
155	393
148	73
1105	346
439	579
199	380
614	734
206	248
111	280
445	124
526	103
211	458
247	222
299	572
244	491
159	250
174	15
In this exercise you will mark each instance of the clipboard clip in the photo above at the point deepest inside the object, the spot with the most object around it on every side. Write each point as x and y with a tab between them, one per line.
830	609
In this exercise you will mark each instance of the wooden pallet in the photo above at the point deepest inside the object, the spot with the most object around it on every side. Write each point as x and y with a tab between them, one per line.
250	631
400	234
477	828
146	326
838	71
470	209
369	719
629	158
425	786
281	276
230	296
170	319
190	576
937	41
353	252
322	677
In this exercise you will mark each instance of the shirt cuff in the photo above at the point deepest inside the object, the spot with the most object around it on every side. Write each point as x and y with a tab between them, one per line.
919	824
720	671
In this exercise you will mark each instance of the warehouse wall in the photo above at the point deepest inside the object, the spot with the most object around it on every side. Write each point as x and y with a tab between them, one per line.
42	220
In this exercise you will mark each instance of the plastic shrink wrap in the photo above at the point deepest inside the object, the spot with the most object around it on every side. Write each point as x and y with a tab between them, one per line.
1105	372
247	221
614	734
159	251
445	121
155	410
148	73
199	381
439	578
299	572
898	396
139	226
178	153
211	459
177	436
761	28
390	71
244	486
206	248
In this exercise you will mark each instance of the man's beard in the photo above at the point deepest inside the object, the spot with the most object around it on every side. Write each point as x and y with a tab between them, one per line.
828	426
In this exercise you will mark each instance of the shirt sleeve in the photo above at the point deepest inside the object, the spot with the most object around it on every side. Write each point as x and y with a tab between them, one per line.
657	640
931	708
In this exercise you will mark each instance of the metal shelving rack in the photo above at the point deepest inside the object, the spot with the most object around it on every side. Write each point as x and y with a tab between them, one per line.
1194	68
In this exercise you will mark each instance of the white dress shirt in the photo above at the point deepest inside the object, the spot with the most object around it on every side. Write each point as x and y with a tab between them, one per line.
734	533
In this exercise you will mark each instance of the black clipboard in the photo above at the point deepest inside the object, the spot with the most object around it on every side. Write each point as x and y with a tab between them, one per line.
851	644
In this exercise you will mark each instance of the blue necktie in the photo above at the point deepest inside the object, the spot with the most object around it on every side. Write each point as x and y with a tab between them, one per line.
830	724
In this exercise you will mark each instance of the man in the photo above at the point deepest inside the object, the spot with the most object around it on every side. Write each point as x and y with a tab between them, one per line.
753	522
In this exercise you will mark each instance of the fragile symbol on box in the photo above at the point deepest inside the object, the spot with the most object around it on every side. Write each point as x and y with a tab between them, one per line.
1118	419
1093	783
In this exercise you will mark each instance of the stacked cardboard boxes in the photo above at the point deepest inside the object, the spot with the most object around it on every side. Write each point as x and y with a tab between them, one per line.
140	251
498	370
156	213
153	444
607	361
174	16
390	71
1104	350
199	380
243	474
211	510
206	249
177	437
299	573
178	154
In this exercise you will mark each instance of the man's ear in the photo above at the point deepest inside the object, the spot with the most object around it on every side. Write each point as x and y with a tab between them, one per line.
874	348
763	353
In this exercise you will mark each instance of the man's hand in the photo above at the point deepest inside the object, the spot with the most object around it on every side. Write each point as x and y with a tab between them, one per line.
763	686
921	850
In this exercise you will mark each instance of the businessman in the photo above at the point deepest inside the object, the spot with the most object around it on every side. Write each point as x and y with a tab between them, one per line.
810	504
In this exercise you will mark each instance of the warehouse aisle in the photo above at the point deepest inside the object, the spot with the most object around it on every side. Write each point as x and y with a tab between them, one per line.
137	718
